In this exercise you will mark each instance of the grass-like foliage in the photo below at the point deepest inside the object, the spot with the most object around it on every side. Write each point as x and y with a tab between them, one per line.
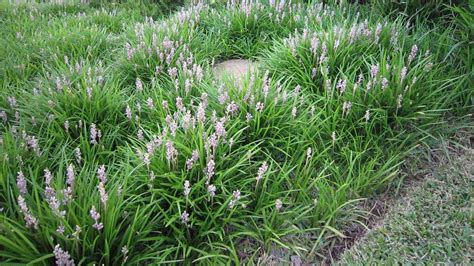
118	144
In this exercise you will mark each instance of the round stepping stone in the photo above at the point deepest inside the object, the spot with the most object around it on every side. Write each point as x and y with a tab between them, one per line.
234	68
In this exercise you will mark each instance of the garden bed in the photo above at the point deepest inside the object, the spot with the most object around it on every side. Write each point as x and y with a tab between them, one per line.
120	143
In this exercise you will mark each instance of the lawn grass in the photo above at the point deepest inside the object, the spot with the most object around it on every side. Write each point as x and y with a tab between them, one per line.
119	145
430	224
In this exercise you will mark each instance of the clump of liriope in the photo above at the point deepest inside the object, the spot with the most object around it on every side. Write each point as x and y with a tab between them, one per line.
360	69
36	35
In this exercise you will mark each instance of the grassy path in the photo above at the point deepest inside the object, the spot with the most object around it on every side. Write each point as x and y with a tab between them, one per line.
431	224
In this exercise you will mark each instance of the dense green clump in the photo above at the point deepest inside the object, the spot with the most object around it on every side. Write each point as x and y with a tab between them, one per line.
119	145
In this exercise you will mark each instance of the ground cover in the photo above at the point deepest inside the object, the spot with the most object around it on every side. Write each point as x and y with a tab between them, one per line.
120	145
